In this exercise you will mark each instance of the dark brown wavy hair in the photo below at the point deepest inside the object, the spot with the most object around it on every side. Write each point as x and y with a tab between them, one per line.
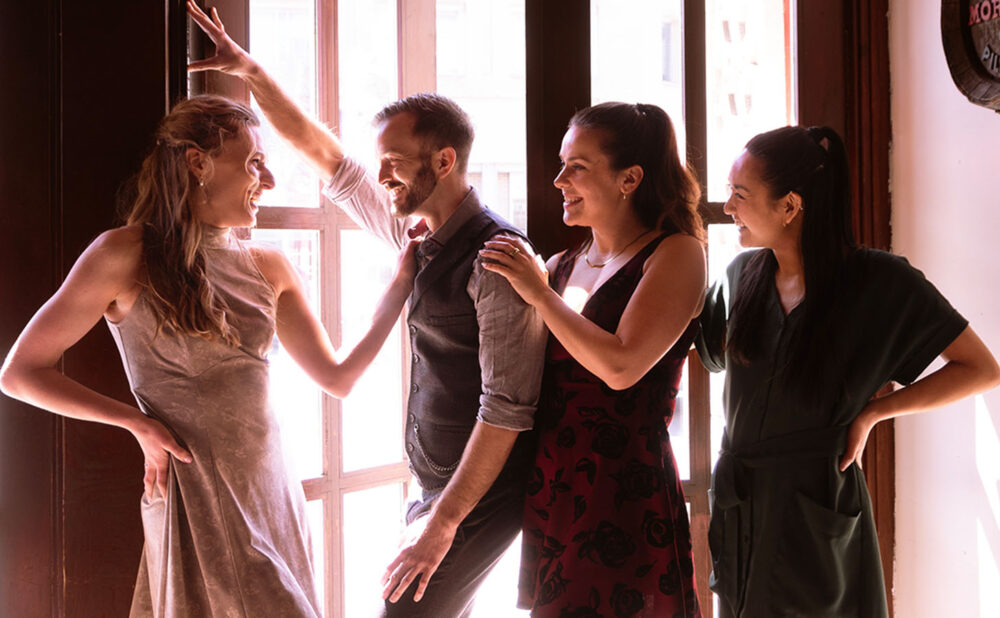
643	135
159	198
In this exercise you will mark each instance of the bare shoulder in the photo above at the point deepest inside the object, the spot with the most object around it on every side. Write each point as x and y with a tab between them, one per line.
105	278
117	251
681	242
679	266
678	251
120	240
274	265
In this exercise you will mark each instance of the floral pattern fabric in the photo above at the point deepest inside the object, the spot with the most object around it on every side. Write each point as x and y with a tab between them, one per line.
606	530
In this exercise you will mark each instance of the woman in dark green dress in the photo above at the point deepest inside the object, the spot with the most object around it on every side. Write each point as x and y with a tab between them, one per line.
809	328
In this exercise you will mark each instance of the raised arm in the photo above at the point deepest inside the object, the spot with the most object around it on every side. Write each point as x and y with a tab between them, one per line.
104	275
316	143
969	369
667	298
305	338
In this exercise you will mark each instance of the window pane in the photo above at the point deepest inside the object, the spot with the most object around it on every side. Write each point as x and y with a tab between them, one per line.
296	398
316	517
283	40
373	527
497	597
635	55
480	64
750	72
680	429
372	417
366	31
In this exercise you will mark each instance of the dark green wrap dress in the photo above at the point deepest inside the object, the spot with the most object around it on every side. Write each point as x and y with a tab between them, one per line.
790	534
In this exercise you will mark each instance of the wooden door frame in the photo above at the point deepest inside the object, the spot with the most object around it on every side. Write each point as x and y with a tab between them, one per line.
86	90
846	47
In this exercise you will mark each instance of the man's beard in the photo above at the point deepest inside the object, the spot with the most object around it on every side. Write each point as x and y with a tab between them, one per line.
417	190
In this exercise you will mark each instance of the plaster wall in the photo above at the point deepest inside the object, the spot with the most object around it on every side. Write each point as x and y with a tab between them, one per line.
945	167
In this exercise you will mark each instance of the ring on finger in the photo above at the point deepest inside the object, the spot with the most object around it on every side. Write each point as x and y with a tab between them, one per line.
516	251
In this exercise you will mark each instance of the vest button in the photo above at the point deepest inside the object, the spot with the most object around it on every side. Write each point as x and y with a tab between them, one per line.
409	447
414	388
416	359
413	329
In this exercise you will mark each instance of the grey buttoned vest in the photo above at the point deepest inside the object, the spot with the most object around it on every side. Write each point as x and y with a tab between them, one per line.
445	376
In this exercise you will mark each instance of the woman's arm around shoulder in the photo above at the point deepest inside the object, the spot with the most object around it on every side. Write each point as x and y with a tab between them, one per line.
668	297
304	336
103	282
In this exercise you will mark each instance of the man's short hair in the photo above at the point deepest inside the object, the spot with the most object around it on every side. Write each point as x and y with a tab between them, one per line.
438	121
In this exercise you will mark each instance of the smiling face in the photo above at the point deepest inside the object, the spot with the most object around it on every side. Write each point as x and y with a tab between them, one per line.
761	218
404	165
238	175
591	190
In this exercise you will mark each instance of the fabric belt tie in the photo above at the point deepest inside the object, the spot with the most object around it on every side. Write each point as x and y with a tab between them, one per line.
731	496
729	481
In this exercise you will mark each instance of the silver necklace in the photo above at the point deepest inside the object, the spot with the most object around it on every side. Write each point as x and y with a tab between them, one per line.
586	257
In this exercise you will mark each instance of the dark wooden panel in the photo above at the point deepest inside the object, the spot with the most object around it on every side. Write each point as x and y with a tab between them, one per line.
557	84
868	135
844	84
868	120
236	16
82	98
114	91
821	39
695	105
28	537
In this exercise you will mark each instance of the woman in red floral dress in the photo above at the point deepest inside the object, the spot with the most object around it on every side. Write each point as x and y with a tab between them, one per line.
606	529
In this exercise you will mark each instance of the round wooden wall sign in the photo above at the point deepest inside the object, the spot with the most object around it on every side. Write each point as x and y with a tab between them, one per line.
970	33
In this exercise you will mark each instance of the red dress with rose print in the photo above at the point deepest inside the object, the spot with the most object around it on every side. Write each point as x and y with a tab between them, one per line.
606	529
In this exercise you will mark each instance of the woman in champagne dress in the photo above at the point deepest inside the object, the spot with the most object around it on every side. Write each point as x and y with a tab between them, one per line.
194	312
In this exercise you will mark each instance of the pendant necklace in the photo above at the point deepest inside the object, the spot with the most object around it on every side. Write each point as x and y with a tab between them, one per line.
586	256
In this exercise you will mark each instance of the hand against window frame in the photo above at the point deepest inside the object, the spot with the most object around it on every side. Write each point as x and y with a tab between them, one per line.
229	57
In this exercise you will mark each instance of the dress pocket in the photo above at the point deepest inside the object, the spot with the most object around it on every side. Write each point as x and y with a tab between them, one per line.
818	562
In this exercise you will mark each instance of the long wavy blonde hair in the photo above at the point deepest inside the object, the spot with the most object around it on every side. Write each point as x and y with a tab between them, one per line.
180	294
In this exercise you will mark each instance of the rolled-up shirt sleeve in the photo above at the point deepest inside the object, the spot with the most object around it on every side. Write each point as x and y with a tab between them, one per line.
512	339
356	191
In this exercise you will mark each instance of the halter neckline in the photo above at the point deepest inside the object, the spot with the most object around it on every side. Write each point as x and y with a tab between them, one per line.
216	237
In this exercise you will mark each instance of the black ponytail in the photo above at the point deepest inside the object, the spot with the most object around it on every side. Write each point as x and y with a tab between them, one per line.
813	163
